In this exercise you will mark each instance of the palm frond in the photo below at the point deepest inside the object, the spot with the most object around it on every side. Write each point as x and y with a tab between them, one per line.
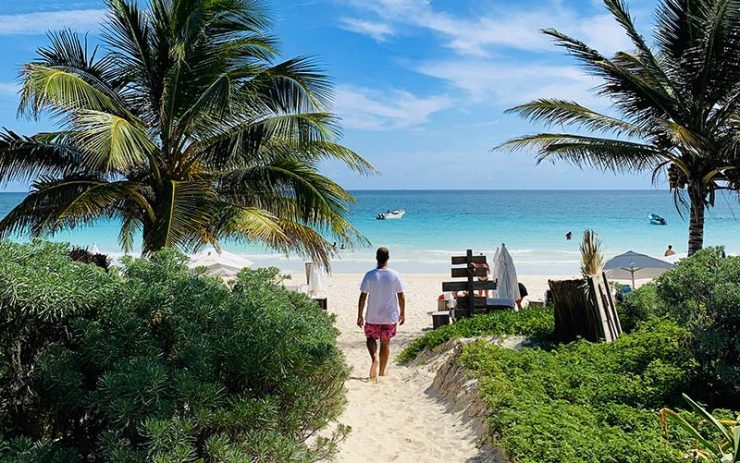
184	218
562	112
630	91
257	225
601	153
26	158
55	204
61	90
111	142
293	86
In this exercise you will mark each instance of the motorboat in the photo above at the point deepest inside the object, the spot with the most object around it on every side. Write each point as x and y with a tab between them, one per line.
655	219
388	215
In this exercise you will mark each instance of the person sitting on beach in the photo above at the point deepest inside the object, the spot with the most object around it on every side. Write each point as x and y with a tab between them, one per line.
382	289
483	277
669	251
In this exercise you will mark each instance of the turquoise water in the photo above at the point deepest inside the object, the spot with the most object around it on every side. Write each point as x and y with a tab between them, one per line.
439	224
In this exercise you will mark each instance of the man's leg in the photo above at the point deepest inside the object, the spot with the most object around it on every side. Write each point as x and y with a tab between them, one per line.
372	348
385	353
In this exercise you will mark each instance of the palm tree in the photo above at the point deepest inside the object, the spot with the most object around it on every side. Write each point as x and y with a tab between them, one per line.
677	104
186	130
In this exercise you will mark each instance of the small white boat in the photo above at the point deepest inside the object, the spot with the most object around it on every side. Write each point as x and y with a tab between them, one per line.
388	215
655	219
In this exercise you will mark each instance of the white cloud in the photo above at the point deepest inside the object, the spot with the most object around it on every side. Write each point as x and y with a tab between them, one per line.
515	28
41	22
368	109
514	83
377	30
9	88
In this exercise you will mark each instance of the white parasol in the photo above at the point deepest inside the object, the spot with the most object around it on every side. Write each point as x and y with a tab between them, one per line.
507	285
316	280
631	265
224	264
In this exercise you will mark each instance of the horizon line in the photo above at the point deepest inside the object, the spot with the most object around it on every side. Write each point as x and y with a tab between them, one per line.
463	189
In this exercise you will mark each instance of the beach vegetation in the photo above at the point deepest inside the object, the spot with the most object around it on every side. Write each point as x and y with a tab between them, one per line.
724	450
702	294
150	362
675	103
536	323
586	402
185	127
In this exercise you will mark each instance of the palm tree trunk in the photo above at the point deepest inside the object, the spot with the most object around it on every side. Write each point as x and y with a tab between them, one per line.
696	221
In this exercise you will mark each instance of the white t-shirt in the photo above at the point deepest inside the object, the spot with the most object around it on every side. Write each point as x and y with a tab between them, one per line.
382	286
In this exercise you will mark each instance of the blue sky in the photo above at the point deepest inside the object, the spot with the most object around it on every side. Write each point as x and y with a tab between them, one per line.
421	85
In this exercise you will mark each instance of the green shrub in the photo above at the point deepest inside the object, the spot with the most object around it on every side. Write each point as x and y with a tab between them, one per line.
151	363
702	294
585	402
638	306
533	322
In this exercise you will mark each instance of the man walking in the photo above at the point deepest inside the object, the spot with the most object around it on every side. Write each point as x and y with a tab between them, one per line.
382	289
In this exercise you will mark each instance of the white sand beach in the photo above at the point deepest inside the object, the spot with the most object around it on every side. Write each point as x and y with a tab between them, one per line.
398	419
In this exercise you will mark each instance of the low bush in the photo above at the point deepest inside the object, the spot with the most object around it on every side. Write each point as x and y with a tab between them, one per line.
702	294
585	402
151	363
640	305
533	322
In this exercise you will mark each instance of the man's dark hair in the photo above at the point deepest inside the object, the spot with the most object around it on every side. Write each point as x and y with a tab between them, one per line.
382	255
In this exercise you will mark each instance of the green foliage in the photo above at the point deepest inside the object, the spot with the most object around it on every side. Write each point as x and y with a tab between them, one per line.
152	363
186	126
639	305
702	294
585	402
724	450
533	322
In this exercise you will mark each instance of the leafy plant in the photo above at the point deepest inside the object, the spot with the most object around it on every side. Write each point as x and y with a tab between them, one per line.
724	450
152	363
533	322
677	105
702	293
585	402
185	129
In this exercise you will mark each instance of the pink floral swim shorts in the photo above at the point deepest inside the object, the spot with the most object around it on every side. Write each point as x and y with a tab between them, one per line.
382	332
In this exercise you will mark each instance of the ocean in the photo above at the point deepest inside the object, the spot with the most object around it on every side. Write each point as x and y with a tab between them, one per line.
533	224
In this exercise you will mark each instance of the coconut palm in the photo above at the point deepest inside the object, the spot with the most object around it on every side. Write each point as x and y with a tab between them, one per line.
676	102
186	129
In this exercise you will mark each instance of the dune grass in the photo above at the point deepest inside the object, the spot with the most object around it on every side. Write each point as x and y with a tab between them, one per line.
535	322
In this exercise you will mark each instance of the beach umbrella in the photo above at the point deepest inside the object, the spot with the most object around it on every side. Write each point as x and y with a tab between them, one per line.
223	264
94	249
631	265
315	280
507	285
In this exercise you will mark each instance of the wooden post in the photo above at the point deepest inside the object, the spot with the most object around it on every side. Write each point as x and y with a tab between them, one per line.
471	291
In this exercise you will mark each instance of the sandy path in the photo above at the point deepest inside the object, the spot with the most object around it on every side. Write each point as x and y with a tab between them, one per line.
397	420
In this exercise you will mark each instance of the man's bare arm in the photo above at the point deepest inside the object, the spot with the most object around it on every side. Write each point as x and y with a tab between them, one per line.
402	307
361	309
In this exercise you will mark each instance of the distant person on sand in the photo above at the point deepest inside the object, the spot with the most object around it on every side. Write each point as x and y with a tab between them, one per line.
569	236
669	251
386	306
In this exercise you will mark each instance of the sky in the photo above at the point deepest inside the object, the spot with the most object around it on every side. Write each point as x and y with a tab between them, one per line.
421	86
